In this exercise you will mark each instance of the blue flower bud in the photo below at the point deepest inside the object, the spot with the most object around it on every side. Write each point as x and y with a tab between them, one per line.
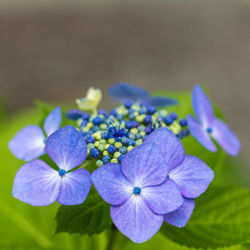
94	152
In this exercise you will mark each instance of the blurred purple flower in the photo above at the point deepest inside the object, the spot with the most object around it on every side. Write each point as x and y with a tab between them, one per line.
29	143
139	191
209	126
188	173
128	92
38	184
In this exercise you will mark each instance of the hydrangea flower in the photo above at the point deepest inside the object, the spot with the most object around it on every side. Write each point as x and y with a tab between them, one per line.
139	191
29	143
38	184
127	92
188	173
209	126
91	101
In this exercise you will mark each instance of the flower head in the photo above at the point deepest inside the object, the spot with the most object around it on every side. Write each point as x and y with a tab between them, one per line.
128	92
208	126
139	191
91	101
38	184
188	173
29	143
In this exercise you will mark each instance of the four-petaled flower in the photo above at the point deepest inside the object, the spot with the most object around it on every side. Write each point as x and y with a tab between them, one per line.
190	174
29	143
38	184
127	92
155	181
210	126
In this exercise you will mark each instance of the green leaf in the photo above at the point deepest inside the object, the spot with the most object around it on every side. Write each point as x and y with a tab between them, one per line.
91	217
221	219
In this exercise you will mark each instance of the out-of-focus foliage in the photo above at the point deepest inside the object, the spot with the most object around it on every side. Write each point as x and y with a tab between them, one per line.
25	227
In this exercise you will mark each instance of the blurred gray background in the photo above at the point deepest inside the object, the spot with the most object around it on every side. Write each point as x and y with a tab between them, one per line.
54	50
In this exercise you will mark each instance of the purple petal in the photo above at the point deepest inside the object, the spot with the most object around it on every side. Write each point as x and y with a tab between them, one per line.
202	106
163	198
124	91
111	184
135	220
36	183
74	187
53	121
200	134
67	148
225	137
28	143
160	101
170	146
145	166
192	176
180	217
74	114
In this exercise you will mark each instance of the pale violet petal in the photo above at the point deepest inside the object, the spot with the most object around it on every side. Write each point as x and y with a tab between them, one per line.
192	177
111	184
74	187
181	216
170	146
67	148
36	183
28	143
145	166
136	220
53	121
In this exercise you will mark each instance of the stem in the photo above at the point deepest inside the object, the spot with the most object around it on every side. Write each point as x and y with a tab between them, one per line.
114	240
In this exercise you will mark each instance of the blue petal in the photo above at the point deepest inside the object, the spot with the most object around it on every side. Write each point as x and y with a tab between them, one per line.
136	220
124	91
145	166
202	106
53	121
170	146
74	187
111	184
225	137
74	114
28	143
200	134
192	177
67	148
36	184
163	198
162	101
180	217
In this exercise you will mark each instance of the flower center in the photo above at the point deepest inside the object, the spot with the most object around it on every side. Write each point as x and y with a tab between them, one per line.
209	130
137	190
61	172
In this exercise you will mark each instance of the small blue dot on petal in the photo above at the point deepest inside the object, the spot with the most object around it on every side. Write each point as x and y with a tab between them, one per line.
61	172
209	130
137	190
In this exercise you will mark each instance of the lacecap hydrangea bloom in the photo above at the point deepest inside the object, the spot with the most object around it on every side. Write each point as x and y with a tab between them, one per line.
139	162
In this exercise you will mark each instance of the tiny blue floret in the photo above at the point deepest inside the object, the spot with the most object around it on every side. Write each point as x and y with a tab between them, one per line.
94	152
111	149
183	122
97	120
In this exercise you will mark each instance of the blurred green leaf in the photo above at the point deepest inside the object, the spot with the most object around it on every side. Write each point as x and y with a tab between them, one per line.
91	217
221	218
